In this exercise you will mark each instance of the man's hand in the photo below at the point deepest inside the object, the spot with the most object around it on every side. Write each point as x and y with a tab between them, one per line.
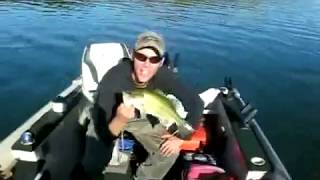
171	145
123	115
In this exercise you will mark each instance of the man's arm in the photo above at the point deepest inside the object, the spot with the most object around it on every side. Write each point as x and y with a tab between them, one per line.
111	118
103	110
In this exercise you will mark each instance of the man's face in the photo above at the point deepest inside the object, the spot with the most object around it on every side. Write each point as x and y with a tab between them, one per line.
145	70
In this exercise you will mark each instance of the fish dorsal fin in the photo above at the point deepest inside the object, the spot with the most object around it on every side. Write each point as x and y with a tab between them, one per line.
171	100
174	102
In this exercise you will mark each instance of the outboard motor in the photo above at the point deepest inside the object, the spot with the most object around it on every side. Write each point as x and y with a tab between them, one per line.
247	112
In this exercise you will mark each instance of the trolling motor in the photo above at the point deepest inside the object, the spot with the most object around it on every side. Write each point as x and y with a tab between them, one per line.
247	111
228	83
171	63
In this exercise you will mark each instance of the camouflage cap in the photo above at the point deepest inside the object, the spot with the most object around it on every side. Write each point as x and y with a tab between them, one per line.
150	39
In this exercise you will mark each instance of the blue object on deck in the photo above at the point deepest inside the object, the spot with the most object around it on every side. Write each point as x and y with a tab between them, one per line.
27	138
126	145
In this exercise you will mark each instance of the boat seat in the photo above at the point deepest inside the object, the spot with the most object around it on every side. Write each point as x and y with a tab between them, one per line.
97	59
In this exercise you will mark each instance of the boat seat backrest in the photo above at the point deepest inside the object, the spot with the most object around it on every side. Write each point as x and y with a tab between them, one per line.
97	59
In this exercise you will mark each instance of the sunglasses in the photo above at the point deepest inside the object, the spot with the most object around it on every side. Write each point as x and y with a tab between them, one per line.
141	57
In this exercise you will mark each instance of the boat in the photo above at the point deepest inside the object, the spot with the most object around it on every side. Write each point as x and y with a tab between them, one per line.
50	144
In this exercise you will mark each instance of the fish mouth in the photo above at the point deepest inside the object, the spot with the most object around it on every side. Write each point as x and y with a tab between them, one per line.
126	97
131	97
126	92
133	93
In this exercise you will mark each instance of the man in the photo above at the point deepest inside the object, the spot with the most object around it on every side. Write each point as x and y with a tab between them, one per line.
145	70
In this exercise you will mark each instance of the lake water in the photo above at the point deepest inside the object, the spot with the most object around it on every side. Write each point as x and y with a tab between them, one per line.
270	48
